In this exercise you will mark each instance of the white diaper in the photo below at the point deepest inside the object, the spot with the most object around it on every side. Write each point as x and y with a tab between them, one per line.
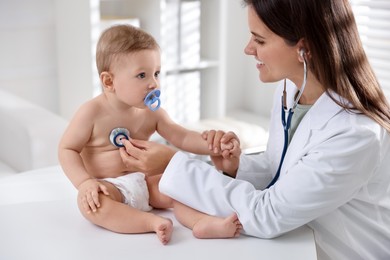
134	190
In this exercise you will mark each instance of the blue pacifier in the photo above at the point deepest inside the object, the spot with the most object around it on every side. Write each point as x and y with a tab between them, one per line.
152	100
117	134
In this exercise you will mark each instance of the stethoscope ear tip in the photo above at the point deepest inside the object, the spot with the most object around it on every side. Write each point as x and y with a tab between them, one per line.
302	52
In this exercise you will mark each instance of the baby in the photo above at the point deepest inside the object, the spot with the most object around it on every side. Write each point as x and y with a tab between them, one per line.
111	194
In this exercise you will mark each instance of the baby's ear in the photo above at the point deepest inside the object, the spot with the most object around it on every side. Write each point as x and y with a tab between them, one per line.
107	81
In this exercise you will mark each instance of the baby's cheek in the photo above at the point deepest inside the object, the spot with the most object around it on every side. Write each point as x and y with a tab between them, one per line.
227	146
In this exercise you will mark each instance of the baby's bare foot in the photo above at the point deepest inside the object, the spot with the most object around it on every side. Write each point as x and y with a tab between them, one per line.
164	229
214	227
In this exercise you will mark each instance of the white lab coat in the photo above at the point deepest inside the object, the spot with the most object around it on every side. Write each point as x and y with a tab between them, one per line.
335	178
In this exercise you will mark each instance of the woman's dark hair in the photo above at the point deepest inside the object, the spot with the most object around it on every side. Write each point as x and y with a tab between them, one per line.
337	58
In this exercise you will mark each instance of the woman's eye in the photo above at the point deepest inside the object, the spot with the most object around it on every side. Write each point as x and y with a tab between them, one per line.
141	75
259	41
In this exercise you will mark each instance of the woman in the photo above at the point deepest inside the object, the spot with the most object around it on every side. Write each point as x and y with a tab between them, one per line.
335	176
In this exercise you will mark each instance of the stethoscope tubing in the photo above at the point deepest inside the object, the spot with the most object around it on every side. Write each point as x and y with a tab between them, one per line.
287	123
286	128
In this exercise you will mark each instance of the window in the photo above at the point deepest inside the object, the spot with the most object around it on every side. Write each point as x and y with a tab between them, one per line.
372	18
180	42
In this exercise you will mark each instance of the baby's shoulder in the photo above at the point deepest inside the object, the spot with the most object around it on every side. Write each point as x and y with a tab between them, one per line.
91	108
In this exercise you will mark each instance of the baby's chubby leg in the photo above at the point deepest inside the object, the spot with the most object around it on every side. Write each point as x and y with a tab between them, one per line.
156	198
121	218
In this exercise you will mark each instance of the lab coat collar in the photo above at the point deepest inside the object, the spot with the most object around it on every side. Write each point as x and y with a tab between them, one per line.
316	118
323	110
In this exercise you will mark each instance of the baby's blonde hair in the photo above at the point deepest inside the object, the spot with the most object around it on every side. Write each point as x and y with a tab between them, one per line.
121	39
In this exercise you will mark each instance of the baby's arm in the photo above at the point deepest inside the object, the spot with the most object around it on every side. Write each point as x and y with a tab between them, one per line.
192	141
71	144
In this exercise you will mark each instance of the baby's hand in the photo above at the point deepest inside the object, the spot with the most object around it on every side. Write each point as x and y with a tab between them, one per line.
89	194
225	144
229	157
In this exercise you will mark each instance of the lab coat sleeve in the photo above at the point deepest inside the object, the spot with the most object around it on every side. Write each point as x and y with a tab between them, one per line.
322	181
200	186
255	169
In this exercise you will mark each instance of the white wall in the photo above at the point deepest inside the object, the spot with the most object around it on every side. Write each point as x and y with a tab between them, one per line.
245	91
258	96
75	48
28	64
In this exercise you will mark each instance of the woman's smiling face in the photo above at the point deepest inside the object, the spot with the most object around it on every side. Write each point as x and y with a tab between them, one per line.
276	60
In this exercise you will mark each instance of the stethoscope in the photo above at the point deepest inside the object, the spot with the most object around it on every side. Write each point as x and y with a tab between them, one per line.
152	101
286	122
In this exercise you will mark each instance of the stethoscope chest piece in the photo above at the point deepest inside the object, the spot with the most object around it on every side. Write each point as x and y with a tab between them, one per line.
117	134
152	100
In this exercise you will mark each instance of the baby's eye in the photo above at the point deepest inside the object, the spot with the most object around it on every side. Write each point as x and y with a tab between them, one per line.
157	74
141	75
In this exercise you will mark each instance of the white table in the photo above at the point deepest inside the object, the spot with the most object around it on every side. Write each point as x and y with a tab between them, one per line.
32	227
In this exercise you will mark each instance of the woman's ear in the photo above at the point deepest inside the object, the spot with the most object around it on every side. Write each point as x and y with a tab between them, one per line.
107	81
303	51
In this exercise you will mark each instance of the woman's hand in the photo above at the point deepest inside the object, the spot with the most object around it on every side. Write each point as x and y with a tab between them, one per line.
148	157
227	165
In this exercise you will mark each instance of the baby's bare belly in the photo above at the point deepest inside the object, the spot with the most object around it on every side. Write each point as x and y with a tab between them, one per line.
104	164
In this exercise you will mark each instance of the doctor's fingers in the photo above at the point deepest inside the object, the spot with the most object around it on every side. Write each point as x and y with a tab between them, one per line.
128	159
138	161
131	149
